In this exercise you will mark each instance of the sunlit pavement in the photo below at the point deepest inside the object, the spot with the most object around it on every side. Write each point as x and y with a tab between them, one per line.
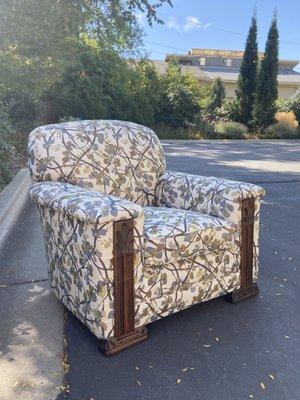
214	350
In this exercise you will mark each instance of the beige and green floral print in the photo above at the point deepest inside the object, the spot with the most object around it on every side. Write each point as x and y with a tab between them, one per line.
113	157
187	228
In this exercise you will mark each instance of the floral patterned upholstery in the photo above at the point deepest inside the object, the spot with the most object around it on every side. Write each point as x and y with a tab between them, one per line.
172	235
187	228
113	157
205	194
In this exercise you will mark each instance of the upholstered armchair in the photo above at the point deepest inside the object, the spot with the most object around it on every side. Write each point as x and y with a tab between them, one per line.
129	242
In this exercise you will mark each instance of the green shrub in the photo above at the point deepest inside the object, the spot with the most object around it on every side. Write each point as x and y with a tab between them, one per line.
164	131
178	106
228	111
231	130
6	150
22	109
216	98
295	105
205	130
283	104
280	130
199	130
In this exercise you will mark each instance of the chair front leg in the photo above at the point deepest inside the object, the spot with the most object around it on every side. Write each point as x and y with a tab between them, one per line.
248	288
125	334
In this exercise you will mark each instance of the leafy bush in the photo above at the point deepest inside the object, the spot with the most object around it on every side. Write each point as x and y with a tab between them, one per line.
216	98
280	130
205	130
295	105
200	130
228	111
287	117
164	131
283	104
6	150
231	130
21	108
178	106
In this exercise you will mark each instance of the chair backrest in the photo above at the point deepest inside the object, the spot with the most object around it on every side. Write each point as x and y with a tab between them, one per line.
119	158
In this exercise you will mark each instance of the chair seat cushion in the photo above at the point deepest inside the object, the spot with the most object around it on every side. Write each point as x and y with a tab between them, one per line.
172	234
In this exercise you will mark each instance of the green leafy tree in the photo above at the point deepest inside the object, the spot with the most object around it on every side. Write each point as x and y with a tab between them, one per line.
267	92
97	86
216	98
179	98
295	105
39	39
247	78
144	93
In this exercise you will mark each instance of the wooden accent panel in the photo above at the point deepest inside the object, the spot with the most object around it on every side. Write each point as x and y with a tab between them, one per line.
247	243
247	287
123	277
125	335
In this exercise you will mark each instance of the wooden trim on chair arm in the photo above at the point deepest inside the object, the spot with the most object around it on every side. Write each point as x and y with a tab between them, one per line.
123	277
125	334
247	287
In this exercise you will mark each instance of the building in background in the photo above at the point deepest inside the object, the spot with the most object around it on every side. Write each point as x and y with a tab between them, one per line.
207	65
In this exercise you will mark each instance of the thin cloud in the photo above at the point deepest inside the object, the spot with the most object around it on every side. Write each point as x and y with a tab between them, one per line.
172	23
190	23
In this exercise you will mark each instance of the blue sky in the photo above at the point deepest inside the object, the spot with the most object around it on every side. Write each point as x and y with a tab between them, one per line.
221	25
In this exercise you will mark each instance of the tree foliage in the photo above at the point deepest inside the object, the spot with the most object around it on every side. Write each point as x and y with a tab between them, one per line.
247	78
267	93
179	97
294	106
216	98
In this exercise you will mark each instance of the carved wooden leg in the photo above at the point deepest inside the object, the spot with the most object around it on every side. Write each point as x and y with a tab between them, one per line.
248	288
125	333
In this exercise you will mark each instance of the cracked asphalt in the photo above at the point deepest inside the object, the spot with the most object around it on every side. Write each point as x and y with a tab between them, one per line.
214	350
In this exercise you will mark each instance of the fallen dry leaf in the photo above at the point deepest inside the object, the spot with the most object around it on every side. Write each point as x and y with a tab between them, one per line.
137	368
206	345
287	337
272	377
138	382
262	385
185	369
217	339
178	381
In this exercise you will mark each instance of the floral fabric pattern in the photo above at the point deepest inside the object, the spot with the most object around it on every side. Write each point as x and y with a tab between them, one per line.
86	205
79	248
205	194
113	157
187	228
213	196
171	234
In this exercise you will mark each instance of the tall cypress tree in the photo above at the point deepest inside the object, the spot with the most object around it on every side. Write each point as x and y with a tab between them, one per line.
267	92
248	74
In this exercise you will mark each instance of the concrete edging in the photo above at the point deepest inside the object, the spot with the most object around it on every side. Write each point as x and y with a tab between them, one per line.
12	200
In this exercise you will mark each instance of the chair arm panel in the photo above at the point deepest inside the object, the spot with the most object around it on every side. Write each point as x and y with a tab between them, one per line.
218	197
79	231
85	205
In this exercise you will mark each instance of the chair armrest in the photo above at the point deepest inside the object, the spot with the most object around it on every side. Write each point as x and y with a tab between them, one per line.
206	194
85	205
